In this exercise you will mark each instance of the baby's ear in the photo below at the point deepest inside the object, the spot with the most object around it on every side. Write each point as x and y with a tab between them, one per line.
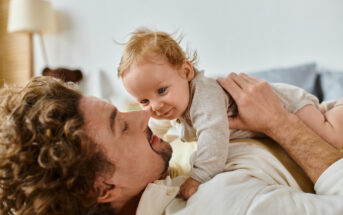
187	70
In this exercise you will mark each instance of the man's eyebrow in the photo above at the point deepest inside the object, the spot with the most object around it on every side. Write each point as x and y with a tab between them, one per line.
113	118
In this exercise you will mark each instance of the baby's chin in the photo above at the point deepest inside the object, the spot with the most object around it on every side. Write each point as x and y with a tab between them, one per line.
170	115
164	118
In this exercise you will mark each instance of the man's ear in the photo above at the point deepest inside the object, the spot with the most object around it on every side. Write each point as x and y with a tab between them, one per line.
106	192
187	70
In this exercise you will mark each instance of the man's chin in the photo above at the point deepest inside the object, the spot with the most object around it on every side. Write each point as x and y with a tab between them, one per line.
168	149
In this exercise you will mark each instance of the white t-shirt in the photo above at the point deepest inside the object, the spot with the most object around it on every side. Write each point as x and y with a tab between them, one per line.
254	182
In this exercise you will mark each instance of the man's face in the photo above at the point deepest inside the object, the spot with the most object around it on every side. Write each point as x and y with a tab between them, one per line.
139	156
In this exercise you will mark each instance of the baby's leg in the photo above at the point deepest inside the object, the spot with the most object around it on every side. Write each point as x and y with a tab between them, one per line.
335	117
328	125
328	105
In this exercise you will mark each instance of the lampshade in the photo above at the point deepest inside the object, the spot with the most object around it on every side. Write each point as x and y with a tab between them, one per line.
31	16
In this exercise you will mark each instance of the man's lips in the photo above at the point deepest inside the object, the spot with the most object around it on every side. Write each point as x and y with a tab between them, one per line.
149	134
154	140
151	137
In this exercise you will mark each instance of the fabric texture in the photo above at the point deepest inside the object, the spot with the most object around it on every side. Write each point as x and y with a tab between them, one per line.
328	105
254	182
205	121
332	85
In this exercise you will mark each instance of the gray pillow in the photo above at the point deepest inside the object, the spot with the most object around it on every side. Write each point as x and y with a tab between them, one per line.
304	76
332	85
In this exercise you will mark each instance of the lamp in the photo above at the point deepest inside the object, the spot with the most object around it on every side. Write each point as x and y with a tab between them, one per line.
32	16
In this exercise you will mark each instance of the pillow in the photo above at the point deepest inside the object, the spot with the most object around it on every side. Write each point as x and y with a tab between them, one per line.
332	85
304	76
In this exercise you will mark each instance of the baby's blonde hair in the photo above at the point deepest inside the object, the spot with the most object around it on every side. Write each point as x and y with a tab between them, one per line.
144	41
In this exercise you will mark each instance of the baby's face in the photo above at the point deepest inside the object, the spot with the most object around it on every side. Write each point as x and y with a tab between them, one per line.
158	87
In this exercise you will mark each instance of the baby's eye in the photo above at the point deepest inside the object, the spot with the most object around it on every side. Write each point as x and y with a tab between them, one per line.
144	101
162	90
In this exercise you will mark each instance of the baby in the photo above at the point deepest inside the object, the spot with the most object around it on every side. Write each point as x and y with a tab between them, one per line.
156	71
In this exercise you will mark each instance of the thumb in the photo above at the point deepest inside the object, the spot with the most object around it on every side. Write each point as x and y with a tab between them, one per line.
236	123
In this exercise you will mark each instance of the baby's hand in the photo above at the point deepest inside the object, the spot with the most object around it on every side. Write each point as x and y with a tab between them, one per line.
189	187
322	108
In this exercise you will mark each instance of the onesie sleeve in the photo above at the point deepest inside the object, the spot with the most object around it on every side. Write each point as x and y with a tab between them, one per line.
294	98
159	127
208	114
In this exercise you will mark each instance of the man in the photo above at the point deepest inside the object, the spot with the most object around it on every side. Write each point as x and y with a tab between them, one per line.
49	131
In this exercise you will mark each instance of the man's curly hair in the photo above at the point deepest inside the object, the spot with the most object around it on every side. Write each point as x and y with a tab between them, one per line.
48	164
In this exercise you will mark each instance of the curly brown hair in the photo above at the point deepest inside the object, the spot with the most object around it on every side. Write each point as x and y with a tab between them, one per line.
48	164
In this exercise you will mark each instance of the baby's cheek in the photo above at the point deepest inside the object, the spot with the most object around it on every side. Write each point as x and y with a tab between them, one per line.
150	111
144	107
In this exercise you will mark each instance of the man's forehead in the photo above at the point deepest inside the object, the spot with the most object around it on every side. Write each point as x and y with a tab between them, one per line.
91	99
90	103
95	109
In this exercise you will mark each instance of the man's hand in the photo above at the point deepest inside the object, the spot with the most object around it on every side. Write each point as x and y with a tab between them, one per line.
188	188
259	109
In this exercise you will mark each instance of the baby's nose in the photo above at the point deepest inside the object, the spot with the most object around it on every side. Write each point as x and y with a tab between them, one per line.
157	106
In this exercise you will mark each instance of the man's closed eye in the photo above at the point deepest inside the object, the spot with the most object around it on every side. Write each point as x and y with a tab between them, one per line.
125	127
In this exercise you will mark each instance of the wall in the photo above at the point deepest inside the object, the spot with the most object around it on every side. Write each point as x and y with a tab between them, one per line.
229	35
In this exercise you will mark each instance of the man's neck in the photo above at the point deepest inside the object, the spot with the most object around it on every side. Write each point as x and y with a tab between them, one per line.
130	207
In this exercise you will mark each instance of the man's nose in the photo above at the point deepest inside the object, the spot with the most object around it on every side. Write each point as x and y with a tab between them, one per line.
141	118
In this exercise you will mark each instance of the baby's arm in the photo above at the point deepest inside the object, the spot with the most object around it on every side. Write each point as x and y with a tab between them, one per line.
159	127
329	125
208	114
306	106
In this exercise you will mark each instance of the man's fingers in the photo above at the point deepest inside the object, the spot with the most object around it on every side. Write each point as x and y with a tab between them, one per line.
240	80
252	79
246	78
230	86
236	123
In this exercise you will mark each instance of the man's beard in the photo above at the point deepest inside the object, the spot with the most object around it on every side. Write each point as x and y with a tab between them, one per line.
165	155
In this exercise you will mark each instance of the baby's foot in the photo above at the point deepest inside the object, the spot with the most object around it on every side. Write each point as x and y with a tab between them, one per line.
189	187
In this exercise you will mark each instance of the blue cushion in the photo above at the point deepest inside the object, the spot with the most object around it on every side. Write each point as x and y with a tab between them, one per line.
332	85
304	76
